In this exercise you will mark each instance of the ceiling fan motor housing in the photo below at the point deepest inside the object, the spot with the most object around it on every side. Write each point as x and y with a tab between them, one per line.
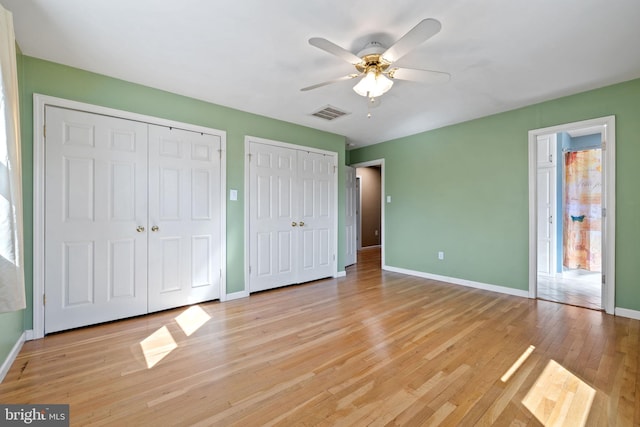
372	58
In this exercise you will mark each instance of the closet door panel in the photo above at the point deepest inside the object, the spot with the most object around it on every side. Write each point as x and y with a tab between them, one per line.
96	197
316	177
184	217
273	224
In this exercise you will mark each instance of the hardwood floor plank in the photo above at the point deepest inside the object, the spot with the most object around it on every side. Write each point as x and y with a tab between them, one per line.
372	348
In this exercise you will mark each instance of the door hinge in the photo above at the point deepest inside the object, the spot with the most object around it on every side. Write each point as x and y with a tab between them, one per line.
220	152
44	299
334	257
249	269
604	145
550	158
604	279
334	169
604	212
44	130
249	157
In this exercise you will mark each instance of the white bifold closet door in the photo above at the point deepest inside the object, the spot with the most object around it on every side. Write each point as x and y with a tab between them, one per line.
131	218
184	216
291	216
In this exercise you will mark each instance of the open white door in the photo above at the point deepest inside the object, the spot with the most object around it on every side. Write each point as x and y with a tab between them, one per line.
351	206
547	204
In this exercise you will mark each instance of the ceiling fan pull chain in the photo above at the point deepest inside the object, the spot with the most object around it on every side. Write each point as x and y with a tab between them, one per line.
370	101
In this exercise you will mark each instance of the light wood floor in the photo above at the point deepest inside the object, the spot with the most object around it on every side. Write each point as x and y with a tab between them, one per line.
583	290
374	348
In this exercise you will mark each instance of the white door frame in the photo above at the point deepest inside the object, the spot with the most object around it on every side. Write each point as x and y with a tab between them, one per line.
39	104
608	204
377	162
247	181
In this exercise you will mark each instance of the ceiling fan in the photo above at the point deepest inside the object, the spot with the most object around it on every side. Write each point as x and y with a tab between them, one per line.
374	62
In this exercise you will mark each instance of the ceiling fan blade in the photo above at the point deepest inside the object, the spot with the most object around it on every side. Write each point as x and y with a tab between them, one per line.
334	49
423	76
424	30
339	79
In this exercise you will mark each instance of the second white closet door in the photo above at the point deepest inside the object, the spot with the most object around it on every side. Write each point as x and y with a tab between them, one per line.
315	212
184	217
291	216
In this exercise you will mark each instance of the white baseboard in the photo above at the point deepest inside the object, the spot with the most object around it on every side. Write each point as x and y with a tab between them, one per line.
462	282
29	335
235	295
341	274
625	312
11	357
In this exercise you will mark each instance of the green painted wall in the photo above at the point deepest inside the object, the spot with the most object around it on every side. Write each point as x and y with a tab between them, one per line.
52	79
12	326
463	189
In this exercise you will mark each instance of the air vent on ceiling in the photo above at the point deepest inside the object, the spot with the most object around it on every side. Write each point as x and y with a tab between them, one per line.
329	113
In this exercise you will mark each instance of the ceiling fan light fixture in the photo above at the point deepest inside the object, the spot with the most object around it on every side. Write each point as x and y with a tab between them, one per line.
373	84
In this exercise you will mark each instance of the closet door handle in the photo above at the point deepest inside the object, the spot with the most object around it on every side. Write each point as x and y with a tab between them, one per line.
294	224
140	229
155	228
301	224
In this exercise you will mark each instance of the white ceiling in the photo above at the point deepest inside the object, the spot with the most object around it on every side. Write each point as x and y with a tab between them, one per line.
253	55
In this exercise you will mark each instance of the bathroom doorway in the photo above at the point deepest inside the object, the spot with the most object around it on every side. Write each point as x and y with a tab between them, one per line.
573	179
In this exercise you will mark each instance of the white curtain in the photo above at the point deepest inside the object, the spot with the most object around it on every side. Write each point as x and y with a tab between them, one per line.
12	295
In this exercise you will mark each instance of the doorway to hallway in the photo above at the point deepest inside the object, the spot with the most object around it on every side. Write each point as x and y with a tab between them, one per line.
370	201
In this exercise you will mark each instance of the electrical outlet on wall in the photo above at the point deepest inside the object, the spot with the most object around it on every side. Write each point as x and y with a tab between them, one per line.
440	255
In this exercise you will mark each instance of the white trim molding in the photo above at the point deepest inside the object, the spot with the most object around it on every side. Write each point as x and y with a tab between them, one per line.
11	357
625	312
461	282
342	273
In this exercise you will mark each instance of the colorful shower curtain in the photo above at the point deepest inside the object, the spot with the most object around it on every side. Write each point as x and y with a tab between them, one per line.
582	217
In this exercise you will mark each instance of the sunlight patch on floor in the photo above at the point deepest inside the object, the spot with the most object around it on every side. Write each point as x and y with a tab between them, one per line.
516	365
157	345
559	398
192	319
